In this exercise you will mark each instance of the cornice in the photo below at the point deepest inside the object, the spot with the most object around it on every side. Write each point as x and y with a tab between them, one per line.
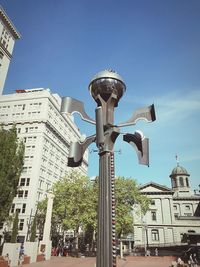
9	23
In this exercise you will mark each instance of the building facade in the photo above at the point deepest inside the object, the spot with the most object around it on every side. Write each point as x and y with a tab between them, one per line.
8	36
173	218
46	134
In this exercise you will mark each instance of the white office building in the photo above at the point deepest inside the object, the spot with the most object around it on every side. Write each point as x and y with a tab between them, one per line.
47	135
174	215
8	36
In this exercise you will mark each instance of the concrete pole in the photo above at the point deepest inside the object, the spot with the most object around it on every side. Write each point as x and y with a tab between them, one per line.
45	243
47	225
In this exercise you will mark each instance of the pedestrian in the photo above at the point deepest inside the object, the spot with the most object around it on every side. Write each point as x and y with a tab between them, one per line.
7	259
180	262
148	253
21	259
156	252
43	254
191	261
21	254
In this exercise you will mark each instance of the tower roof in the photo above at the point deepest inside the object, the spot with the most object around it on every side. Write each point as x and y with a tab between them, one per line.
179	170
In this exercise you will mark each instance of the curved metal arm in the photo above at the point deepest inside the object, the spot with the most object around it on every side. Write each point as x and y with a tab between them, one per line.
71	105
141	145
147	114
77	150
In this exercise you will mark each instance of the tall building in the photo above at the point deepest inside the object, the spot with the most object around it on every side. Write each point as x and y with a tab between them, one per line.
173	218
47	135
8	35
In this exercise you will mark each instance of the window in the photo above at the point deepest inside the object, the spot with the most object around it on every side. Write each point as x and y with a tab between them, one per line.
26	193
22	182
21	224
187	183
153	215
155	235
187	207
12	208
153	202
1	58
176	216
23	208
27	181
181	182
20	193
175	207
18	211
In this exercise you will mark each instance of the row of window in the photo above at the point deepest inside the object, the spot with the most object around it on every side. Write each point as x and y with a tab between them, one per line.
187	207
23	210
22	193
180	182
24	182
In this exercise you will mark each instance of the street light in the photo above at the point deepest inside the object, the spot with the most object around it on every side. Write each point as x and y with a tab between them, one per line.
107	87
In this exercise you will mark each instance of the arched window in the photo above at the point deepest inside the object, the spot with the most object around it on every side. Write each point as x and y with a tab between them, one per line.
181	183
154	235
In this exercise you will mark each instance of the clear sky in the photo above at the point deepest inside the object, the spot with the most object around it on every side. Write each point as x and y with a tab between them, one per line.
153	44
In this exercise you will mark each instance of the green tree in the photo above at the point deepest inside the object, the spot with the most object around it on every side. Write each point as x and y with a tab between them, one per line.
74	202
126	195
11	163
75	205
15	228
33	229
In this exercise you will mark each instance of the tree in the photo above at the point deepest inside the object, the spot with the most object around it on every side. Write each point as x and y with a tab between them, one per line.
126	195
74	203
33	230
11	163
15	228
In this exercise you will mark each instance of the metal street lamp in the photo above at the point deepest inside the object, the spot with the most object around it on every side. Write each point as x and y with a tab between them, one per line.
107	87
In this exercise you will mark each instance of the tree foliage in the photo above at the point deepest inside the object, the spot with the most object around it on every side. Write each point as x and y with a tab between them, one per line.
11	163
126	195
75	205
74	202
33	229
15	228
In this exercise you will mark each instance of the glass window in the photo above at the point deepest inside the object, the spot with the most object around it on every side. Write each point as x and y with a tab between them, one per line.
21	224
176	216
181	182
27	181
26	194
23	208
153	215
20	193
155	235
22	182
12	208
153	202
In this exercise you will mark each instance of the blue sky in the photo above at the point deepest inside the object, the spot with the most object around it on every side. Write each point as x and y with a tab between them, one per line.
153	44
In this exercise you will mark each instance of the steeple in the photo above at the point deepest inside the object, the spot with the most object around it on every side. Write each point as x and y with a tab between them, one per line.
179	178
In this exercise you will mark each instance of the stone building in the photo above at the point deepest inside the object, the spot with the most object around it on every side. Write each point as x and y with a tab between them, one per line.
173	218
8	36
47	135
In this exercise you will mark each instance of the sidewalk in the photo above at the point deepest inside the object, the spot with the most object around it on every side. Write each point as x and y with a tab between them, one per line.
91	262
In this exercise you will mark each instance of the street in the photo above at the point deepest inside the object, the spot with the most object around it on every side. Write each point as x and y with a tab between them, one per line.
91	262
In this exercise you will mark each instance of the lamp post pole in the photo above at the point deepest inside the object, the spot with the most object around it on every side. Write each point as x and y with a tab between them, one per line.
107	87
106	91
